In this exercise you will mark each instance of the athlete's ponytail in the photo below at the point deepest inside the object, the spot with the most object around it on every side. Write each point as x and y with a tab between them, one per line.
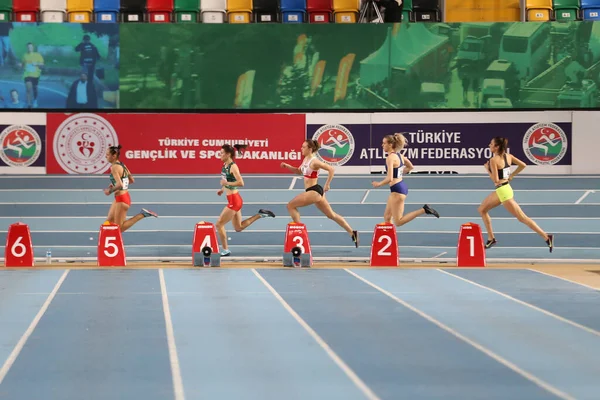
397	140
115	150
313	145
502	144
234	150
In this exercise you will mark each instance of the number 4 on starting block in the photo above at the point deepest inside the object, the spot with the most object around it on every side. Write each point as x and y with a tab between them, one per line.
205	235
111	252
470	251
384	249
18	251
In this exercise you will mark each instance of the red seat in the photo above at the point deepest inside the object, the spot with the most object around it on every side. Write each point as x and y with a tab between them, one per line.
26	10
159	11
319	11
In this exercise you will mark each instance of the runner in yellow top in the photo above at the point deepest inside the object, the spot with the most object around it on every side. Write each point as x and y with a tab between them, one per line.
32	64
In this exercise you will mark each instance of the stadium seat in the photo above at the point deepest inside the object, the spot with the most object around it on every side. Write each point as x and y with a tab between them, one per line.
80	11
539	10
239	11
266	11
566	10
293	11
106	11
345	11
213	11
427	10
53	10
590	10
133	10
483	11
26	10
5	10
159	11
407	11
319	11
187	10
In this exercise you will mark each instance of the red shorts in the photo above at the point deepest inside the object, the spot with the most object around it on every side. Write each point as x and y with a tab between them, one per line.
235	202
123	198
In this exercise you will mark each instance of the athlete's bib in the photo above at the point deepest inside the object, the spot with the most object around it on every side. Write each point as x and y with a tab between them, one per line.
125	183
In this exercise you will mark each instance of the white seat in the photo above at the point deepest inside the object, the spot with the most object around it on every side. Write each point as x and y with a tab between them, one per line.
53	10
213	11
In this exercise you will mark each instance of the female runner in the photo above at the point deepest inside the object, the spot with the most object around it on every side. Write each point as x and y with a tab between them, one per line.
231	179
314	193
120	178
498	168
397	165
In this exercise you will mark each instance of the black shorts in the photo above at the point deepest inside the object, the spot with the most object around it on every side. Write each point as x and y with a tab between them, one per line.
317	188
34	81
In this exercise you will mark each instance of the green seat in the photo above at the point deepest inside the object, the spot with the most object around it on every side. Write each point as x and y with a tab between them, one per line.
186	11
5	10
566	10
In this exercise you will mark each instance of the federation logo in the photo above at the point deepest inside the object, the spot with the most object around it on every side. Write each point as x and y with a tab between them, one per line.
80	144
21	146
545	144
336	144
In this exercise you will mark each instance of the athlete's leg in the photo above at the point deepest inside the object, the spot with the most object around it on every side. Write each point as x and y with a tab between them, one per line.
387	214
302	200
240	225
326	209
397	207
111	213
226	215
136	218
490	202
513	207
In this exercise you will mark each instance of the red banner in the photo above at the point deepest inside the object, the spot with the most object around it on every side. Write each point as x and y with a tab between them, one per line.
172	143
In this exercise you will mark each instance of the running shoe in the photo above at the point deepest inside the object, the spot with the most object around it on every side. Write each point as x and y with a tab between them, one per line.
430	211
490	243
225	252
355	238
266	213
550	242
148	213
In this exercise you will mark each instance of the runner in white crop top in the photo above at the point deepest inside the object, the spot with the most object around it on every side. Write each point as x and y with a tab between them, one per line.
315	193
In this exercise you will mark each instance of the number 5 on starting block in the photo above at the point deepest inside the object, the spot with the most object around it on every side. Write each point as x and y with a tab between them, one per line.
111	252
470	251
18	251
384	249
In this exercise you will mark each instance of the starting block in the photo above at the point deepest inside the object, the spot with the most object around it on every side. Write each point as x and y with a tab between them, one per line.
205	247
384	249
111	252
470	251
18	251
296	250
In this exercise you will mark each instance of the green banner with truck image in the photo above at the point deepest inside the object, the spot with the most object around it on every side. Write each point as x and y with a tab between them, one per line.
404	66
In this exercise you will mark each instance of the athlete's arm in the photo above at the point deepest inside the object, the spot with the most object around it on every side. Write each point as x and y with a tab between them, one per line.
389	162
494	171
295	170
520	166
115	170
330	170
239	181
408	166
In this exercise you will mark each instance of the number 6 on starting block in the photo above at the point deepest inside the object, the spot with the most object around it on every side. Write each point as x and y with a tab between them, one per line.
110	246
384	249
18	251
470	251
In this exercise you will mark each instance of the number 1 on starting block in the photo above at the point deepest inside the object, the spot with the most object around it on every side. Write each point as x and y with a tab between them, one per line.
470	251
111	252
384	249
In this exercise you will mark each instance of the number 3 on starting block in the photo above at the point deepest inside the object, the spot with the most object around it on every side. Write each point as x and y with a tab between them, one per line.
296	235
384	249
18	251
470	251
110	247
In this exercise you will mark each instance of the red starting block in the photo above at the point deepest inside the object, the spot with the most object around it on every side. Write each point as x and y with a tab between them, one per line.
205	235
18	251
384	248
296	236
111	252
470	251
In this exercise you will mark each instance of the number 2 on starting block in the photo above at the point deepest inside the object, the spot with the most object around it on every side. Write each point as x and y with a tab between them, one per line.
18	251
296	235
470	251
111	252
384	249
205	235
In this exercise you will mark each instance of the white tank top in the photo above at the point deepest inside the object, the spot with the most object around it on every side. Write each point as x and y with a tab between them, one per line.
307	171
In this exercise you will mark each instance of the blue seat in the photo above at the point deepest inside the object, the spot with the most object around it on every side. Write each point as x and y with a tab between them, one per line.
107	11
293	11
590	10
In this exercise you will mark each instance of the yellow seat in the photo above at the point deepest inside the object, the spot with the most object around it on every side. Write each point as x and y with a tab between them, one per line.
539	10
80	11
345	11
239	11
483	11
